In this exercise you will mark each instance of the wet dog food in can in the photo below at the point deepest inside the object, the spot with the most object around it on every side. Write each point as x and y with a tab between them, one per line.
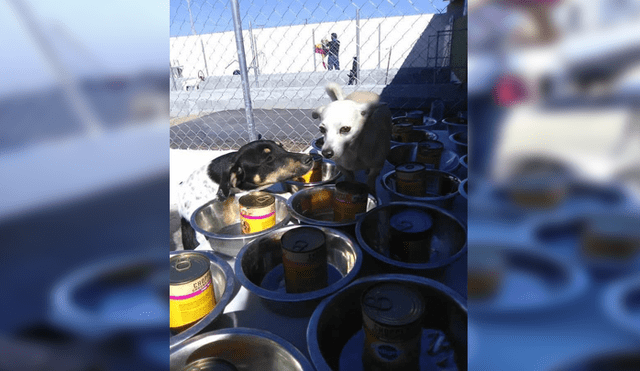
401	132
210	364
315	174
349	199
429	153
411	236
190	290
392	321
304	259
257	212
410	179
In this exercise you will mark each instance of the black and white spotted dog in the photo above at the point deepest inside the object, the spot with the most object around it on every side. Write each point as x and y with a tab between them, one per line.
255	165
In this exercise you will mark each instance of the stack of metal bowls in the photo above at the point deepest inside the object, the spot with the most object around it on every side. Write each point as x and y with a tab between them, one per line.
259	269
244	348
223	282
338	320
219	221
447	240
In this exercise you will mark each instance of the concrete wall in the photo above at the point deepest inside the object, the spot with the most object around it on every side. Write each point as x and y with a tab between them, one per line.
290	49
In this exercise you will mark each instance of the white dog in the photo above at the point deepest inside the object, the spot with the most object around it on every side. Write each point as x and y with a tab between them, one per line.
357	132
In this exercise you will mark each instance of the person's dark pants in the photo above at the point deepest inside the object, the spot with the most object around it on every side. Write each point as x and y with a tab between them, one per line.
333	63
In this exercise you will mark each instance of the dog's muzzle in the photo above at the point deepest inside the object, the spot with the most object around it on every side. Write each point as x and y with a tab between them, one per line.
327	153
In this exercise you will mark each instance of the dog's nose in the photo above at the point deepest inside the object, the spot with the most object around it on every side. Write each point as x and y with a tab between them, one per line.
327	153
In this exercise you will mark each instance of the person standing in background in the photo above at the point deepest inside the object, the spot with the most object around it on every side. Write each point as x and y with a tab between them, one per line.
334	48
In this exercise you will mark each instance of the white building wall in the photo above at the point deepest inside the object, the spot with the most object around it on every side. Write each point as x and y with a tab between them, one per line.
290	49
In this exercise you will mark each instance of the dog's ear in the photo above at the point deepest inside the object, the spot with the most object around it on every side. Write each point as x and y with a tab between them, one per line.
367	109
230	180
334	91
317	113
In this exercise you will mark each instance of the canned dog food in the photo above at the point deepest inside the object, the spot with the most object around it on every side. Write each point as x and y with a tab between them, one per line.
415	117
411	236
257	212
349	199
392	322
315	174
410	179
429	153
401	132
190	290
304	259
210	364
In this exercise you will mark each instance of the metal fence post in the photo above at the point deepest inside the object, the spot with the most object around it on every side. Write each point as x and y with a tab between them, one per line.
357	71
242	60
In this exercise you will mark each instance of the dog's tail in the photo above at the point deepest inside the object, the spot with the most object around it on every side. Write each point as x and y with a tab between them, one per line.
334	91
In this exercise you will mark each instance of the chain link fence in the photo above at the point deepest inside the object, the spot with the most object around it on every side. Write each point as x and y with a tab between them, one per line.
409	52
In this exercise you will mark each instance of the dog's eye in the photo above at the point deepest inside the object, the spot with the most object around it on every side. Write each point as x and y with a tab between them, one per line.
269	158
322	130
345	129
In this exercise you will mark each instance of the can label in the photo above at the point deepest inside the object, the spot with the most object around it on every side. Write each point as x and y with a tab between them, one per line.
429	155
304	271
191	301
401	132
347	206
258	218
390	347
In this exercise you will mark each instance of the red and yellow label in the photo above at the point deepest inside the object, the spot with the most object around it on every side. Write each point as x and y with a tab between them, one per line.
257	219
189	302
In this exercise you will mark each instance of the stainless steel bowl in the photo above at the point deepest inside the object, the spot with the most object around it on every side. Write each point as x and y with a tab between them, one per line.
406	152
83	301
418	134
338	319
219	221
442	188
259	269
299	207
247	349
317	144
463	161
330	174
448	239
459	140
223	282
463	189
455	124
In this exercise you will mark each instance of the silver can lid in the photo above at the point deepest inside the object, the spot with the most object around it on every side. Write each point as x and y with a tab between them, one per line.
188	266
393	304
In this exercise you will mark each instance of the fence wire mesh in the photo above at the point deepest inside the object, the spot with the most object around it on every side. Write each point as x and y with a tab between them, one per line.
409	52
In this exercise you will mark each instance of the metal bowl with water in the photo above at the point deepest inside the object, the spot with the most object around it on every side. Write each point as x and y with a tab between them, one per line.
330	174
407	152
455	124
259	269
313	206
219	221
247	349
223	281
418	134
448	239
440	190
460	141
337	323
